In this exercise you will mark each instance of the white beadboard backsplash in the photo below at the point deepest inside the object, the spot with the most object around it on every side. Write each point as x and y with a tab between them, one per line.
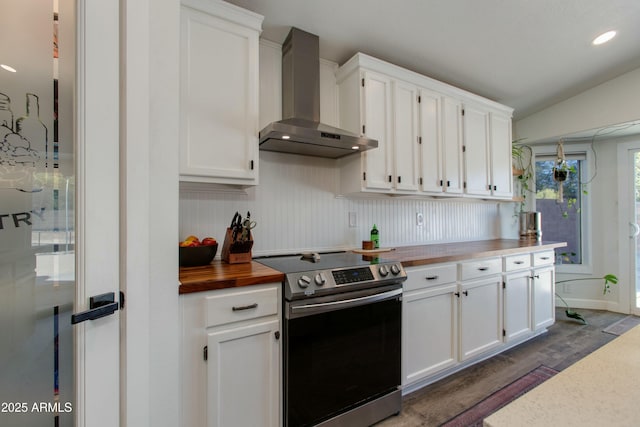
297	209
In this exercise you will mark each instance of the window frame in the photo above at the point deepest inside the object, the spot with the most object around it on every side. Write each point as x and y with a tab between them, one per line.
582	150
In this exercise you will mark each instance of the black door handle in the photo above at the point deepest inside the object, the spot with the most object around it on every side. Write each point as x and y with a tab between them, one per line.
99	306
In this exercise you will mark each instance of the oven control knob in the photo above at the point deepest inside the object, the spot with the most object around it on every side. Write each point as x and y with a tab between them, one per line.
383	270
395	269
304	281
320	279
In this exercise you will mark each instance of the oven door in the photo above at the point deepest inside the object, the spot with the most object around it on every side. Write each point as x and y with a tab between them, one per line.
340	353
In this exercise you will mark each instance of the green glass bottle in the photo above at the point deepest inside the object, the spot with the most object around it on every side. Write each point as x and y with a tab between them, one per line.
375	237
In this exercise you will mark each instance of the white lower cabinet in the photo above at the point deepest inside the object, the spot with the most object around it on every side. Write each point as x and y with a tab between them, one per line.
231	372
480	316
456	314
446	322
517	305
429	322
242	373
543	284
543	289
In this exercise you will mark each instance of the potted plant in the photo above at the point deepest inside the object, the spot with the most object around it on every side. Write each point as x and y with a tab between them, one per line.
609	279
522	168
561	171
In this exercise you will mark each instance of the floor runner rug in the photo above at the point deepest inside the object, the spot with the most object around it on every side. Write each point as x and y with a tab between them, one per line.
473	416
622	326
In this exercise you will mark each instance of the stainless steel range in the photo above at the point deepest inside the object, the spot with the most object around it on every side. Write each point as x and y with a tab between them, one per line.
342	338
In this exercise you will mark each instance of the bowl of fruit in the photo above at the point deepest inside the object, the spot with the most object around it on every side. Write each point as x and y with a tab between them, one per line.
195	252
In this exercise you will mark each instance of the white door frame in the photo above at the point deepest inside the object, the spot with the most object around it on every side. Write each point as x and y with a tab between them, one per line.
97	342
626	275
127	105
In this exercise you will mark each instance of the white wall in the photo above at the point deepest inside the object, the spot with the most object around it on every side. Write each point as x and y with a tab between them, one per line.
610	103
296	205
603	106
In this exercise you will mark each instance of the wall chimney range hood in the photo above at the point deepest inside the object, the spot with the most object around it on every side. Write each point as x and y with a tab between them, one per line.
300	131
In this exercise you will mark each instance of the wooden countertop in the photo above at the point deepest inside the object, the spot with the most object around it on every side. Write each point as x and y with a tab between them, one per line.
220	275
412	256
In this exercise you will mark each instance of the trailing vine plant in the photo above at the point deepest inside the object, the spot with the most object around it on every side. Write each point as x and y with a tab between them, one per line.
609	279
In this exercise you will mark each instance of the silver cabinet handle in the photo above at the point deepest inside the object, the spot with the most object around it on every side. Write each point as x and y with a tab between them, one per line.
518	262
636	230
431	277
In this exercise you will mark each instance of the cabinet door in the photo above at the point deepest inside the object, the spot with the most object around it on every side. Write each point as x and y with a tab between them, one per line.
544	312
452	145
376	110
405	136
476	157
218	100
429	328
431	154
517	305
480	316
501	175
243	376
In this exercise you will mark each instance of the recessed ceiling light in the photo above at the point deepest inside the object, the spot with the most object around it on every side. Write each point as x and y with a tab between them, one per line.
355	147
285	137
8	68
603	38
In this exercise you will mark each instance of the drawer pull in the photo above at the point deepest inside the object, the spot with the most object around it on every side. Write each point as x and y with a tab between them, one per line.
483	268
518	262
245	307
544	258
431	277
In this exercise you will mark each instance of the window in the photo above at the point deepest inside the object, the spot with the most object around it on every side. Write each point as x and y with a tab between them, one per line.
563	206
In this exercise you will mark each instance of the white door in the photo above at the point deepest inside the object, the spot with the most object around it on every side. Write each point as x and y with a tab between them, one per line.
58	211
405	136
377	125
629	219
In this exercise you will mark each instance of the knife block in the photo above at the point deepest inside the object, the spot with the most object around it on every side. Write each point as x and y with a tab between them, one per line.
236	252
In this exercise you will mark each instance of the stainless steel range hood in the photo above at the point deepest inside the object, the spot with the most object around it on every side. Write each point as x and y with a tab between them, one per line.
300	131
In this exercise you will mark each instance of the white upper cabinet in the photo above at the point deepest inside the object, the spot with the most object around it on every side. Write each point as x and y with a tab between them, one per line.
385	109
218	93
476	147
501	174
452	145
421	132
432	148
405	136
376	123
487	139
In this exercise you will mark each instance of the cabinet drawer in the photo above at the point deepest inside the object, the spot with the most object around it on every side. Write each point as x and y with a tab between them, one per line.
241	305
517	262
425	277
543	258
480	268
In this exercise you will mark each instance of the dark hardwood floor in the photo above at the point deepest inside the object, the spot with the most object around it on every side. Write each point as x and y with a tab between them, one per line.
566	342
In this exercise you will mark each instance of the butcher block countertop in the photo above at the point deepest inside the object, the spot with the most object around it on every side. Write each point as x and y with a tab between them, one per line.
220	275
412	256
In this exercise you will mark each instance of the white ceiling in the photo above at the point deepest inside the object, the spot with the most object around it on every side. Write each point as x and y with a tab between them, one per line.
528	54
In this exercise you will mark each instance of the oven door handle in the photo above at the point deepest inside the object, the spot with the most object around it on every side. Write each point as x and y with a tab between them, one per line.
308	309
